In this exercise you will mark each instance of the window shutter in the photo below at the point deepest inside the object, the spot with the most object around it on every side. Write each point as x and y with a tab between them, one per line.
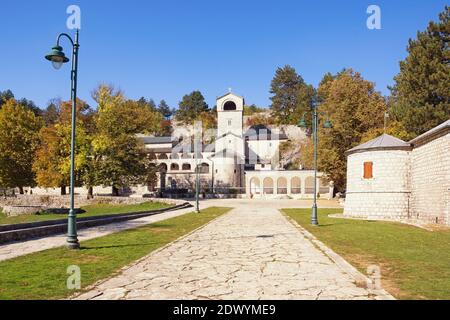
368	170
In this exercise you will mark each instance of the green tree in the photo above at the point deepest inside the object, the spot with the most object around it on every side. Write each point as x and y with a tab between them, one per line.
355	108
147	103
191	107
291	96
19	139
5	96
164	109
421	92
51	113
121	155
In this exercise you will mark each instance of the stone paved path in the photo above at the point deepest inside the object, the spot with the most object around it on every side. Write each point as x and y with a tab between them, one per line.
253	252
16	249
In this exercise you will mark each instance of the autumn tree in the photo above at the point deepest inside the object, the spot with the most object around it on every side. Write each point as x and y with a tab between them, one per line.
52	163
355	108
291	96
28	104
191	107
19	139
421	92
253	109
121	155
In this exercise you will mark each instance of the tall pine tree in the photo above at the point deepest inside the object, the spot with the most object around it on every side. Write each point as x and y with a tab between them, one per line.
292	97
421	94
191	107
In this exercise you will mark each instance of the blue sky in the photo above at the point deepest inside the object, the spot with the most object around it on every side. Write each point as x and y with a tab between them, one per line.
165	49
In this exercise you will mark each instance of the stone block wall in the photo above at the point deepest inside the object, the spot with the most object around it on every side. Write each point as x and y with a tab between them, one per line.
430	181
386	195
52	201
377	206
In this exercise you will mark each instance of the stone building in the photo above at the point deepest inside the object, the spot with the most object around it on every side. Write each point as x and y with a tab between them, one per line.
238	161
388	178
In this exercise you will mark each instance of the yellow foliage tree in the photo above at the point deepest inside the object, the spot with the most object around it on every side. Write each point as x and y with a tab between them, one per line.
19	139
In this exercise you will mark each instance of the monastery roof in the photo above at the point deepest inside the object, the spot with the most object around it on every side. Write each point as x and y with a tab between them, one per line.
229	93
261	132
156	140
383	142
227	153
443	127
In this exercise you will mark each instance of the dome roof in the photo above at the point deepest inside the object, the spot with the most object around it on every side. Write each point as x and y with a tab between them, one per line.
383	142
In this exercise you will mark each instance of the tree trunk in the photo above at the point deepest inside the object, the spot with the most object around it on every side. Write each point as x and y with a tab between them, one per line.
115	191
90	193
21	190
63	190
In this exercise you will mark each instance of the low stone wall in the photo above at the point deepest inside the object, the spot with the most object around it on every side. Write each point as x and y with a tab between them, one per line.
12	211
31	204
25	231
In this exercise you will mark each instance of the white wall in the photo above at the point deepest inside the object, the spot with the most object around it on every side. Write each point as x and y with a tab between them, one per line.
430	181
387	193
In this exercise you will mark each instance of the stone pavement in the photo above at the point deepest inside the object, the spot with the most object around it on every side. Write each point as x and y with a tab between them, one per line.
253	252
12	250
16	249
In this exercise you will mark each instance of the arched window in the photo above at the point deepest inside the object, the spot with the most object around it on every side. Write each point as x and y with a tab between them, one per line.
204	168
163	167
282	186
268	186
309	185
255	187
151	156
296	185
162	156
186	166
174	167
229	106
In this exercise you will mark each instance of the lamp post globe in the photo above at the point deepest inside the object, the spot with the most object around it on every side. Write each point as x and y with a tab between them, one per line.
302	123
328	124
57	57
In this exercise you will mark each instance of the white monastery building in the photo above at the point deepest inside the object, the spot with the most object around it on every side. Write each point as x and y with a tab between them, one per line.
238	161
388	178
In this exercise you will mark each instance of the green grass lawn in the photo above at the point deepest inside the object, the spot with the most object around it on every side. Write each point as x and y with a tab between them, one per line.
415	263
42	275
91	210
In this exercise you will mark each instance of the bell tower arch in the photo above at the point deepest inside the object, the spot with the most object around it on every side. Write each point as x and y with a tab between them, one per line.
230	109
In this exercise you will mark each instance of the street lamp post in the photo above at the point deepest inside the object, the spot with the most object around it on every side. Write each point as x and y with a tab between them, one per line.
197	187
197	152
315	124
57	57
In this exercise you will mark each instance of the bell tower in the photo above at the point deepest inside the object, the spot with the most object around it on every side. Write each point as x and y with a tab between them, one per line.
229	156
230	108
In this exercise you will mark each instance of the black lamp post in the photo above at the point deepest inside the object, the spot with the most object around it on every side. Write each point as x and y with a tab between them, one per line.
58	58
327	125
